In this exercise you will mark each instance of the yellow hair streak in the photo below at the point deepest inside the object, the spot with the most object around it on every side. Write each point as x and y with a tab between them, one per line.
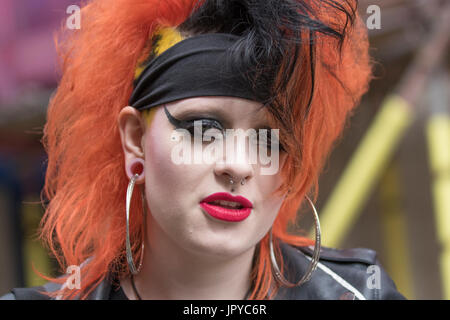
168	37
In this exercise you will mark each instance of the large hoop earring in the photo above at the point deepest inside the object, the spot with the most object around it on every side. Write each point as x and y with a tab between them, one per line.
131	264
315	257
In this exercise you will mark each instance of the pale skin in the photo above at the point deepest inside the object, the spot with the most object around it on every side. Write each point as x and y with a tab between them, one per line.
189	254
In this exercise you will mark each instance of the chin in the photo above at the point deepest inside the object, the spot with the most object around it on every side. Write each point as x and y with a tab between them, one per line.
221	246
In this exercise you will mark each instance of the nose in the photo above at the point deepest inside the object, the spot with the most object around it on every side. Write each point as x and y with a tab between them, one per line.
235	167
234	175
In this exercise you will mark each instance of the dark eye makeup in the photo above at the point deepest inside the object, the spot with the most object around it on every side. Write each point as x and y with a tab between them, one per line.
207	123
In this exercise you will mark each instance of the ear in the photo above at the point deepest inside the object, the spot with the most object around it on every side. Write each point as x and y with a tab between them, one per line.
132	129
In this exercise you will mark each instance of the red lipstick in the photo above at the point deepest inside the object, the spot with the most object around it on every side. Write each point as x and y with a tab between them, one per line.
224	206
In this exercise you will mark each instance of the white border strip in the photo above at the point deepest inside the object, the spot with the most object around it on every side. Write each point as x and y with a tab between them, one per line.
341	281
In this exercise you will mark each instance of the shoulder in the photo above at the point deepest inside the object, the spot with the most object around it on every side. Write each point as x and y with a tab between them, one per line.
354	273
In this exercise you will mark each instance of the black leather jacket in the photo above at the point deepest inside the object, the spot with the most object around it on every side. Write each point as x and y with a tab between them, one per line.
349	274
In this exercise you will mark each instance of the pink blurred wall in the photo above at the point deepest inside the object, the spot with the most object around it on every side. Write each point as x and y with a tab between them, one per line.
27	53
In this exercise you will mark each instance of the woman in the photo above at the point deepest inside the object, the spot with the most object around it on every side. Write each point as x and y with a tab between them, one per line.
214	228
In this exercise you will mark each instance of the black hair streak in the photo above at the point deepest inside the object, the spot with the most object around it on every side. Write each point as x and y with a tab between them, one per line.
269	29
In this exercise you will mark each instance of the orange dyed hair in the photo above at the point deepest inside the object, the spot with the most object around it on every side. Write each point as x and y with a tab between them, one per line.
86	182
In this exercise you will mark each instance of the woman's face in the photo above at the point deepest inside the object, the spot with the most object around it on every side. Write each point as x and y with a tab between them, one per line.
174	191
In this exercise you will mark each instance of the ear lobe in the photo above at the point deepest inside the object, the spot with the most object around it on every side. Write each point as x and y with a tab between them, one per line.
136	166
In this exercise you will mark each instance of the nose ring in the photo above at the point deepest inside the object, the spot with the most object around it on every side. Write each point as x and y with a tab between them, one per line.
232	182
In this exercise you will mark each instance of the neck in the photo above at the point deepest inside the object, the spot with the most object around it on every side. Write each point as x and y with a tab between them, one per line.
170	273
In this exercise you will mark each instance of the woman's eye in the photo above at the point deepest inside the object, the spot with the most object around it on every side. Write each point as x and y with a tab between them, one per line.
200	126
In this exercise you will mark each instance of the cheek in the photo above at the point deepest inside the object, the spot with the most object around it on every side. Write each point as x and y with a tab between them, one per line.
267	184
270	204
162	185
167	197
274	182
161	173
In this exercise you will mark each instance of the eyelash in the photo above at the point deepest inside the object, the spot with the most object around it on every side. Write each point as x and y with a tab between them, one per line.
207	123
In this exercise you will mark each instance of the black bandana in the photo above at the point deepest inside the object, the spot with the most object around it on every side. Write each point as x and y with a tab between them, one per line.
196	66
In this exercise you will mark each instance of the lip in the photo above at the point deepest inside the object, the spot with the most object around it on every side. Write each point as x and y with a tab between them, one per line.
225	214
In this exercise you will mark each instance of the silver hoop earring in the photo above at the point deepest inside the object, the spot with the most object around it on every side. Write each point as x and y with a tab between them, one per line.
315	257
131	264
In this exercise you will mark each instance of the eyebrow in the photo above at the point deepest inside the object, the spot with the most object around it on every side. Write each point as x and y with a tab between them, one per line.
210	110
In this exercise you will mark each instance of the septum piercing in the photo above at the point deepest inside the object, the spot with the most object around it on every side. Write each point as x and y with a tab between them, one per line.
232	182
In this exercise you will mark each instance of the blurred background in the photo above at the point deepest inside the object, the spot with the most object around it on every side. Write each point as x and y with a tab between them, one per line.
386	184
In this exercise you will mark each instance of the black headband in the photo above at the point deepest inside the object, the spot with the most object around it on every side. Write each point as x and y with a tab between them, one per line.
196	66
